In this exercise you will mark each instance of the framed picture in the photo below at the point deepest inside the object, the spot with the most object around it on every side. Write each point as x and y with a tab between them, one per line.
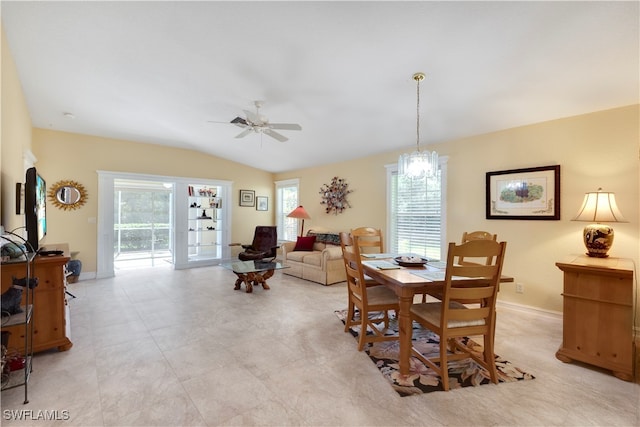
262	203
247	198
531	193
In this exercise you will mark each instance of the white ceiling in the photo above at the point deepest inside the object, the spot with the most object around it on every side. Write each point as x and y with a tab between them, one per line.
157	72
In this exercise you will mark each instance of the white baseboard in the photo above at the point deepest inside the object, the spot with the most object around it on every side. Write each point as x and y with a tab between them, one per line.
87	276
541	312
529	309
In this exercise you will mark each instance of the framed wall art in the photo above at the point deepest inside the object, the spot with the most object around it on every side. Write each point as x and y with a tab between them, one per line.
247	198
262	203
530	193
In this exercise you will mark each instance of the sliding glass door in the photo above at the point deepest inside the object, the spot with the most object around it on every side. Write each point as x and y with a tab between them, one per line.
143	223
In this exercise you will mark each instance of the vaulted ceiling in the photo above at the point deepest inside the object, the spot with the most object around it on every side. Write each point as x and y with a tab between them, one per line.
163	72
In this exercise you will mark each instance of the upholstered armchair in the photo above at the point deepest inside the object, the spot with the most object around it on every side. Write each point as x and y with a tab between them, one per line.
265	244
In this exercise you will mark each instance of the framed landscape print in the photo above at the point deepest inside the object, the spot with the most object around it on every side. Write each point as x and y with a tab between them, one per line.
531	193
247	198
262	203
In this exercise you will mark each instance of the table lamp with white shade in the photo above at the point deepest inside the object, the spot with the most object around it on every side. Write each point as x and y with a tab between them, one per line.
598	207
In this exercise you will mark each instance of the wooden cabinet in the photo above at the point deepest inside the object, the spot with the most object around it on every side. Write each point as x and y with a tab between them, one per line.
50	314
598	313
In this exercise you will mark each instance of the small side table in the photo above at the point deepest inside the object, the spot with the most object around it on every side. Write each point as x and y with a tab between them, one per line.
598	313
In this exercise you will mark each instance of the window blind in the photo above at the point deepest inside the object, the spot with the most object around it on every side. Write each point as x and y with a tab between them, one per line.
416	215
286	201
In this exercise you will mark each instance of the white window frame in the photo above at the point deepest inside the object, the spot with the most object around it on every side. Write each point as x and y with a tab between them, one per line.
392	170
282	222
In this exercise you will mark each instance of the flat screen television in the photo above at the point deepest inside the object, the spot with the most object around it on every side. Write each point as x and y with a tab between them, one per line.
35	208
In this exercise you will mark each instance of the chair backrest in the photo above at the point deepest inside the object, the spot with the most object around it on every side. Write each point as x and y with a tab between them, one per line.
353	266
478	235
474	319
369	239
265	239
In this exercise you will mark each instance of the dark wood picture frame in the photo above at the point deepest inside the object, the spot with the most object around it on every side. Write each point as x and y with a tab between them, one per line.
262	203
247	198
527	194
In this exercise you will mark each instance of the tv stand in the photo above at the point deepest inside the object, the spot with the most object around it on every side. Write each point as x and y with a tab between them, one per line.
51	313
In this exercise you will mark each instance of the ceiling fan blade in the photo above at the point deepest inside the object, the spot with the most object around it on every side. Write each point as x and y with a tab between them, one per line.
239	121
286	126
275	135
244	133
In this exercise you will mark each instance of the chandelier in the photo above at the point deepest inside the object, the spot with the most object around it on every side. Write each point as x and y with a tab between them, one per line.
418	164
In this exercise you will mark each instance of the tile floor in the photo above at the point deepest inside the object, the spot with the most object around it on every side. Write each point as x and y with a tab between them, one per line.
158	347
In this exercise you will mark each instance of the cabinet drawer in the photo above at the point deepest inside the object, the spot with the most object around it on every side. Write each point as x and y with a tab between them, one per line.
598	288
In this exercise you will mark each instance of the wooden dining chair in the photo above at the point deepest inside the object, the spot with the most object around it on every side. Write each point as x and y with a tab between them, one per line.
468	237
478	235
365	299
369	239
369	242
452	320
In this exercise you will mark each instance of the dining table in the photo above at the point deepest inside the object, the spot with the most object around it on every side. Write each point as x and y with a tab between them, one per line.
407	282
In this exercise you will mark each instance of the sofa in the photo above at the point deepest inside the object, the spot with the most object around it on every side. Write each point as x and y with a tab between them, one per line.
321	263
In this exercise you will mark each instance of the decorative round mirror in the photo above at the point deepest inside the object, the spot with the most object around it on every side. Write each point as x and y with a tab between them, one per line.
67	195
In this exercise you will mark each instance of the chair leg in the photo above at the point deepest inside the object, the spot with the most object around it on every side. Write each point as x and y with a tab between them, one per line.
350	313
363	330
490	357
444	364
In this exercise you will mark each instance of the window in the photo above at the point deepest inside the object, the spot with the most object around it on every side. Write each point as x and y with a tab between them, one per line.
416	212
286	201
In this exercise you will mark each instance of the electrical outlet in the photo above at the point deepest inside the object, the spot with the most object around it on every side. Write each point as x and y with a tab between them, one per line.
519	288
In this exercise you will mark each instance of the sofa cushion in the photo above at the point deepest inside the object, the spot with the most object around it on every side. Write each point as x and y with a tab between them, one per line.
297	256
313	258
305	243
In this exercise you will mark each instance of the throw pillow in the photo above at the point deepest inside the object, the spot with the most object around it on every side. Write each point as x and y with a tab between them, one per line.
305	243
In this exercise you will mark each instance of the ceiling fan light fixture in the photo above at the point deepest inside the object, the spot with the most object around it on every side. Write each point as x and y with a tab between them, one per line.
259	123
418	164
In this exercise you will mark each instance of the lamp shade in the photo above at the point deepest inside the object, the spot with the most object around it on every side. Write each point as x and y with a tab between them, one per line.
597	207
299	213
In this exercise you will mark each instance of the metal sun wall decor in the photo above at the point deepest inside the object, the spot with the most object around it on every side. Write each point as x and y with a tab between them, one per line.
334	195
67	195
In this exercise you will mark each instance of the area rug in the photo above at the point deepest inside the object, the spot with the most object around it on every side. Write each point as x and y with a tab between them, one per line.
422	379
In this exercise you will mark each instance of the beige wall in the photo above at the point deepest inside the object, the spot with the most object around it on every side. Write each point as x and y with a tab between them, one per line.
68	156
15	138
593	150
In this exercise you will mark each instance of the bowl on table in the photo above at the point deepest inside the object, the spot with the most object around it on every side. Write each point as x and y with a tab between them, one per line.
413	261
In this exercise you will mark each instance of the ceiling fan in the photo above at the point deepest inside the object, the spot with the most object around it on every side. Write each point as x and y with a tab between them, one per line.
259	123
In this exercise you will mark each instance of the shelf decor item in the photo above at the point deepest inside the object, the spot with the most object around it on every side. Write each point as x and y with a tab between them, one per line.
247	198
530	193
334	195
597	207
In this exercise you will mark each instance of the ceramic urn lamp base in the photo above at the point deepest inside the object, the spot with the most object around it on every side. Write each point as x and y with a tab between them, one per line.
598	239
